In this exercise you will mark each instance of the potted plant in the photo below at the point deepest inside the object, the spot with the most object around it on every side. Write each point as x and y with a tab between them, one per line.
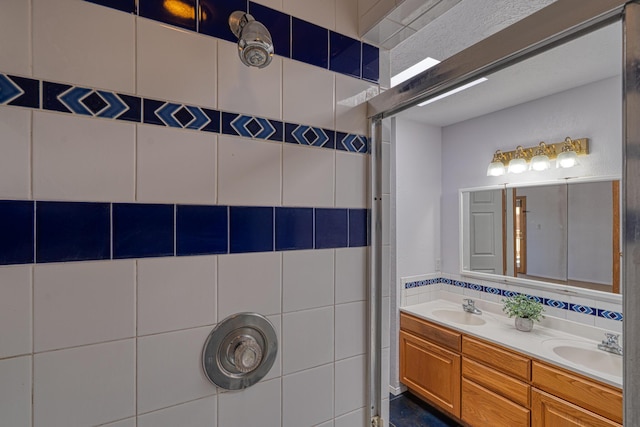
525	309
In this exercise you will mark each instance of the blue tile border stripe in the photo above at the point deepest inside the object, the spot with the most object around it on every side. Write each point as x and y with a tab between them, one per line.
562	305
83	231
104	104
349	56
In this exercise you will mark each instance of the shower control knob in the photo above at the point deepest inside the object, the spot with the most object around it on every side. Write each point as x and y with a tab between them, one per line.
247	355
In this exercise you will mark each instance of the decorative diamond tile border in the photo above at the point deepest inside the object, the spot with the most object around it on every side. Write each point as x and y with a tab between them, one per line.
104	104
562	305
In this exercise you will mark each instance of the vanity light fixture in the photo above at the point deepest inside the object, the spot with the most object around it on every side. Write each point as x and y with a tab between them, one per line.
540	161
568	158
496	167
518	163
539	157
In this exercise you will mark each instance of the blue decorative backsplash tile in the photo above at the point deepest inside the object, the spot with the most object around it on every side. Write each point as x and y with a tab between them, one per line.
591	311
358	227
72	231
251	127
345	54
181	13
128	6
202	230
214	17
370	63
294	228
17	231
250	229
278	24
142	230
309	135
88	102
309	43
331	228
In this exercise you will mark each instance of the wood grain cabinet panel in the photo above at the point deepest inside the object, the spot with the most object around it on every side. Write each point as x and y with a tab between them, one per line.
509	362
496	382
591	395
551	411
431	371
431	332
482	407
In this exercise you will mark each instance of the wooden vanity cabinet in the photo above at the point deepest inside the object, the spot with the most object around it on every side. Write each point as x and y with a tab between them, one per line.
430	363
495	385
484	384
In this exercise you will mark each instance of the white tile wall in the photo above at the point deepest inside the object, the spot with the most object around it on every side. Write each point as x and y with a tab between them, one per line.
308	176
303	405
174	166
188	77
137	327
82	159
307	339
15	393
355	418
351	103
351	384
249	172
248	90
176	293
169	369
15	145
258	405
83	303
79	43
351	274
15	30
311	87
319	13
15	311
351	320
198	413
307	279
352	175
66	380
258	275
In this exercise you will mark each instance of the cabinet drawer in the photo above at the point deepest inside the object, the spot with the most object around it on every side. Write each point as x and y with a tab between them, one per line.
430	371
503	360
430	331
594	396
482	407
496	381
550	411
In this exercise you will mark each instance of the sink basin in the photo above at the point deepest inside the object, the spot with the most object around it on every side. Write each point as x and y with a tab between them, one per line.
587	356
460	317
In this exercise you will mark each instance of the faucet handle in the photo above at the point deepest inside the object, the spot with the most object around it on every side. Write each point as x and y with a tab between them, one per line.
469	301
611	337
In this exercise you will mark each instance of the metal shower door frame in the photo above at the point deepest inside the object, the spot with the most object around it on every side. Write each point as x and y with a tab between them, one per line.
555	24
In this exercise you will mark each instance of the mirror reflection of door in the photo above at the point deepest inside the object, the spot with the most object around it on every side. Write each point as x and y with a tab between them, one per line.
485	227
520	234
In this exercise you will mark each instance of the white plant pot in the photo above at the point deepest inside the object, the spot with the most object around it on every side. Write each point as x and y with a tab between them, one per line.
524	324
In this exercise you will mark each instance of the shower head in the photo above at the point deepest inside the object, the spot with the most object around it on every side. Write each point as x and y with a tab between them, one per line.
255	47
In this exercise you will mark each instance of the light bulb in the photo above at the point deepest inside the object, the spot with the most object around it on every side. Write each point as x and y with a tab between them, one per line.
517	165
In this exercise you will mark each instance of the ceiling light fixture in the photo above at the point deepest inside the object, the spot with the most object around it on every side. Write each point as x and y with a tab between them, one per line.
451	92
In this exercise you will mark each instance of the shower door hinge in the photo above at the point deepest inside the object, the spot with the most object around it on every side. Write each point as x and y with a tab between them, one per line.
376	421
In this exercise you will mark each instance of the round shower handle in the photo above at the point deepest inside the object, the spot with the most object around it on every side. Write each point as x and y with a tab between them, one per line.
247	354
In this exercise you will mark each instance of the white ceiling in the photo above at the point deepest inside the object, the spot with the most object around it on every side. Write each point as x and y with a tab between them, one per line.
593	57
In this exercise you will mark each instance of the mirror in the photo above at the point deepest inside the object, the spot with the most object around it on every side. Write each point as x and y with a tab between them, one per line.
565	233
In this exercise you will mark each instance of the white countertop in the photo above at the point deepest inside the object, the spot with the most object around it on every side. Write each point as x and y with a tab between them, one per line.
538	343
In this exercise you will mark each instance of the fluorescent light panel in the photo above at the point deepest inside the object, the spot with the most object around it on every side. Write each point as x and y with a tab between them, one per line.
414	70
451	92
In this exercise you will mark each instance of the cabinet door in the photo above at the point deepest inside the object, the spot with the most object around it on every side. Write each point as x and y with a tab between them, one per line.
482	407
550	411
431	372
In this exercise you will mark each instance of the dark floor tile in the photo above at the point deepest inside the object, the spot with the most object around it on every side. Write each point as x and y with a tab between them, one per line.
407	410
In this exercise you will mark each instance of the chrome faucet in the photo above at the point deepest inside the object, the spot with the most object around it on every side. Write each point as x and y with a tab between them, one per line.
610	344
470	306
